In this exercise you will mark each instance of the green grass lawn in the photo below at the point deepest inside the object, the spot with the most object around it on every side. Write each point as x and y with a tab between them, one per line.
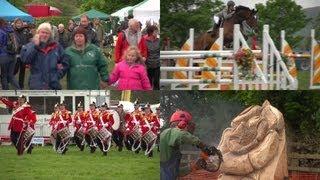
303	80
44	163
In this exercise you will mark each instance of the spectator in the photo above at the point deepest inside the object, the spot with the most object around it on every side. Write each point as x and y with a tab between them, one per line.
144	31
46	58
131	73
63	36
130	37
153	58
125	23
86	63
23	36
71	26
99	30
8	49
90	32
55	34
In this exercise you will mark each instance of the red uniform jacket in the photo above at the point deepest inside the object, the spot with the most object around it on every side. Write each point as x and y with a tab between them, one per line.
154	122
64	116
122	45
54	120
21	116
79	119
106	120
92	119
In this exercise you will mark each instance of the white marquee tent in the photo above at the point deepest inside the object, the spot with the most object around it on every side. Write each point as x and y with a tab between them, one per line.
122	12
147	10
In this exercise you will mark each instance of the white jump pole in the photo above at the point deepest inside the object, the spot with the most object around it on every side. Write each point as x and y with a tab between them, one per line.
196	68
312	59
190	73
193	81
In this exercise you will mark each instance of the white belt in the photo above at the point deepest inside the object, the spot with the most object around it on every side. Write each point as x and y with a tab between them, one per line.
20	119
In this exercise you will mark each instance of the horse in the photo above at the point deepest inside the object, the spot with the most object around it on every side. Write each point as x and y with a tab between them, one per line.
242	13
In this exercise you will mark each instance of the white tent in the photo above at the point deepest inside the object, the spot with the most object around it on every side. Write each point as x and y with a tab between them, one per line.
124	12
147	10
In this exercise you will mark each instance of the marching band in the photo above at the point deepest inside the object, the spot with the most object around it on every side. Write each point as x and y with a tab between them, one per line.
96	127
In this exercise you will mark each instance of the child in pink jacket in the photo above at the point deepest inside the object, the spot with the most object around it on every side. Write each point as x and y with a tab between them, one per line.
131	73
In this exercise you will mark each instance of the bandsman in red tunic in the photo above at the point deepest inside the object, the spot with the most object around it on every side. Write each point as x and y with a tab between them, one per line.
54	118
132	126
118	135
149	127
106	118
91	129
63	132
53	123
79	119
106	122
21	124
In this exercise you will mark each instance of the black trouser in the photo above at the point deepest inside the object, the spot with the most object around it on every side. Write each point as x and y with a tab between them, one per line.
14	137
154	77
145	147
7	72
18	143
89	141
59	142
129	142
117	137
100	145
21	67
78	141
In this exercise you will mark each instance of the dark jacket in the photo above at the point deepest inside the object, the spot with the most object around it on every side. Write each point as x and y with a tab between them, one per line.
63	39
3	39
153	57
44	60
23	37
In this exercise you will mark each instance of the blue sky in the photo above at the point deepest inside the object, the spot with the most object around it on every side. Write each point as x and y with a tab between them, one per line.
251	3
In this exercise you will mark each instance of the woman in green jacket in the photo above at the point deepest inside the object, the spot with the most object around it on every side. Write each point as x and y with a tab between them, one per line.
87	63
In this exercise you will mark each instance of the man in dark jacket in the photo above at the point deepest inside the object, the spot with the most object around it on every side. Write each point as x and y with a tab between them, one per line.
47	60
23	36
91	33
7	60
63	36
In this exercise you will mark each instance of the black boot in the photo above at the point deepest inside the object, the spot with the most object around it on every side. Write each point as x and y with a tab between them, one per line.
105	153
65	150
29	151
120	148
150	155
82	148
92	149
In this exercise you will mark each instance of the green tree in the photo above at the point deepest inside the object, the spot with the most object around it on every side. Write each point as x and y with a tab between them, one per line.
180	15
316	26
282	15
107	6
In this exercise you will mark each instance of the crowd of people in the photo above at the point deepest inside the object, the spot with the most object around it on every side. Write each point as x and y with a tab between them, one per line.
77	51
96	127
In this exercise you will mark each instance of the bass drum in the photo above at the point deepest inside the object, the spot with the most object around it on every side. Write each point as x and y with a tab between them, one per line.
116	118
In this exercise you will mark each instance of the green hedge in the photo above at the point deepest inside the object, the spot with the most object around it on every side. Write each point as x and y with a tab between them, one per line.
54	20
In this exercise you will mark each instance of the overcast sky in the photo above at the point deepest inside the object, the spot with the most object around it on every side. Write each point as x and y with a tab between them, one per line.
251	3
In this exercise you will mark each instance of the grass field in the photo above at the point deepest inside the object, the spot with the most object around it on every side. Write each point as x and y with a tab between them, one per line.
44	163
